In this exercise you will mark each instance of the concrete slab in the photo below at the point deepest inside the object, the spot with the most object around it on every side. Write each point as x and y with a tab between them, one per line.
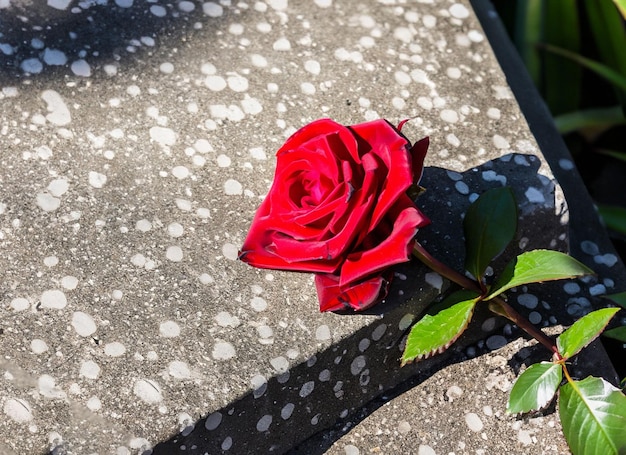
138	140
460	409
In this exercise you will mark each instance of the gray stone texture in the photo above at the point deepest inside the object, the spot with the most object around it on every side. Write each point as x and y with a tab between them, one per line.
137	140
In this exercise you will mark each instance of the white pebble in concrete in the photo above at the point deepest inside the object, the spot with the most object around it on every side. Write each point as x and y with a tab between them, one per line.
473	422
449	116
58	187
83	324
212	9
59	114
180	172
169	329
18	410
20	304
162	135
32	66
175	230
81	68
264	423
166	68
424	449
322	333
223	161
90	369
223	351
97	180
47	202
534	195
237	83
282	44
215	83
233	187
495	342
114	349
179	370
148	391
230	251
50	261
69	282
53	299
213	421
174	253
287	410
500	142
534	317
258	304
38	346
94	403
459	11
280	364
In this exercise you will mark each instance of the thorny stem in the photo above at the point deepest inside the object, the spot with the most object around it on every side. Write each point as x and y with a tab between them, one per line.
497	304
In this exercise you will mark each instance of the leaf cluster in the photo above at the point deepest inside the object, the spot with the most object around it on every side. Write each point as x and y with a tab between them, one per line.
489	226
592	411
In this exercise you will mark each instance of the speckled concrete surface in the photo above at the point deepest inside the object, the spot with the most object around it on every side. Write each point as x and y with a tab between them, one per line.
137	140
460	414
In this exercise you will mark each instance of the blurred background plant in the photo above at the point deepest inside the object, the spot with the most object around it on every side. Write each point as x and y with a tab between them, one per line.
575	52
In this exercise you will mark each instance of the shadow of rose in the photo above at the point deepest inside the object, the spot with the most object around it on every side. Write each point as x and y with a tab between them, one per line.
306	408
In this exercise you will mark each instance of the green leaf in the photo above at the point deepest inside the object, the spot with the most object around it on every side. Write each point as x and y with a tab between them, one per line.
614	77
489	226
561	28
434	333
621	5
607	27
619	299
618	333
593	416
614	216
584	331
603	117
528	25
537	266
535	387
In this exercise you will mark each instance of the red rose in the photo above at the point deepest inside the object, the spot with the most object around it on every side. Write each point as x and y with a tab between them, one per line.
338	207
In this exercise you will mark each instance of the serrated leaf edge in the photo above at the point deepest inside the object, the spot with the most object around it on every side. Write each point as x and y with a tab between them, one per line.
591	339
505	286
442	348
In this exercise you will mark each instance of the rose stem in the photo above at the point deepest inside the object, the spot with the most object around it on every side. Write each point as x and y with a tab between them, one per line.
502	308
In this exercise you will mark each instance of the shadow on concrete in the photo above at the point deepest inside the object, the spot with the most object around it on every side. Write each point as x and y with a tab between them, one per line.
307	408
38	41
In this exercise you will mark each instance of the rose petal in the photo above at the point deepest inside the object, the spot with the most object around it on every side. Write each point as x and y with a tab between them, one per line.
265	259
335	203
394	248
391	148
332	297
320	128
418	154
